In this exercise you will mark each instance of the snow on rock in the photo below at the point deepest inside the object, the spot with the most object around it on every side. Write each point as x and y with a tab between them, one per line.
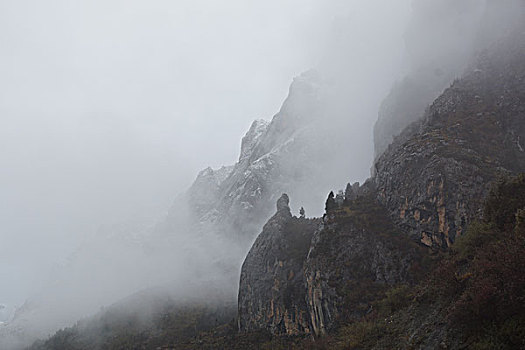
252	137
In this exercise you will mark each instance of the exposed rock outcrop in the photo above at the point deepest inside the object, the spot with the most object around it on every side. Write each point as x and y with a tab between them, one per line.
427	187
433	178
301	277
357	253
271	291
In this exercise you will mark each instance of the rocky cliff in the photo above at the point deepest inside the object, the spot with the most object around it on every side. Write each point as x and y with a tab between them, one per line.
271	293
355	255
303	276
434	176
428	186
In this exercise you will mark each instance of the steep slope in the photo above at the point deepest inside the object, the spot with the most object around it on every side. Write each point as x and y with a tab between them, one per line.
356	255
433	178
428	186
472	299
271	292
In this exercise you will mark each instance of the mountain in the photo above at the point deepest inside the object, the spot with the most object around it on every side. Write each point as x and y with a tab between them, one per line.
434	177
381	239
287	154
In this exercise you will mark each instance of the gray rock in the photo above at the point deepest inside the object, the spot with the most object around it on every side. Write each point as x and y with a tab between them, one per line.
434	176
271	289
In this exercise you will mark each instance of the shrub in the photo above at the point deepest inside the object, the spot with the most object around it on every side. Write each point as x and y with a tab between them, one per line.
478	235
359	335
496	290
396	299
504	200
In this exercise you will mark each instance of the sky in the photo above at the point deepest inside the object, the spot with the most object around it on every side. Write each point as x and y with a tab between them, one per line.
108	109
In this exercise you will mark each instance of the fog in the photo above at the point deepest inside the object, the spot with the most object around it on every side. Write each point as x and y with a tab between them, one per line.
109	110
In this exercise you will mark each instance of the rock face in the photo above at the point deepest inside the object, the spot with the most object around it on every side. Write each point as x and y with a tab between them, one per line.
271	291
205	190
301	277
427	187
435	175
356	253
351	258
252	137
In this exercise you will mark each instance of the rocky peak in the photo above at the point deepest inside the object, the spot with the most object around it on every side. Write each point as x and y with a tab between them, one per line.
205	190
287	154
283	204
299	110
211	176
304	92
252	137
284	155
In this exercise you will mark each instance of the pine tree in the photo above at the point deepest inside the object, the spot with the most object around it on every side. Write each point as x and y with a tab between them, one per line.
302	212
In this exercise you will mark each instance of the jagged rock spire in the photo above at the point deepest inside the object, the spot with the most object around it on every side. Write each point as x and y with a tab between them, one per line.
283	203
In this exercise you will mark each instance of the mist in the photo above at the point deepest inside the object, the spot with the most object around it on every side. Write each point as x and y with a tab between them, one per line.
110	109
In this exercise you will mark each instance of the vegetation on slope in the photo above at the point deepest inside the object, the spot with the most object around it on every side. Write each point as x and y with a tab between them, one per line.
475	298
